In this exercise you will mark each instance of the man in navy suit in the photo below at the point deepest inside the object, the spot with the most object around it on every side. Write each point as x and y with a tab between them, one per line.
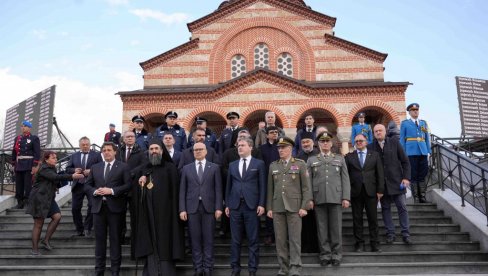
187	156
107	184
81	162
245	197
200	205
169	143
367	185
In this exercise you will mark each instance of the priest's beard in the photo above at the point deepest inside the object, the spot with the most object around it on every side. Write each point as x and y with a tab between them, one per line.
155	159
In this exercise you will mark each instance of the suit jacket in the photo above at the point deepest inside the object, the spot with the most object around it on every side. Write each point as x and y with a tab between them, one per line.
118	180
288	186
371	175
137	156
395	164
252	186
93	158
176	157
187	157
330	178
209	189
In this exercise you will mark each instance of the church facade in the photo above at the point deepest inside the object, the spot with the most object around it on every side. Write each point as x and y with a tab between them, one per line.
254	56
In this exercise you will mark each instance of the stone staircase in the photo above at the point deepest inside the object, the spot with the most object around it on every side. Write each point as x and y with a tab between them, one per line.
439	247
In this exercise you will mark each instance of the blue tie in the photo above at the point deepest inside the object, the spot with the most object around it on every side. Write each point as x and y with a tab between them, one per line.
361	158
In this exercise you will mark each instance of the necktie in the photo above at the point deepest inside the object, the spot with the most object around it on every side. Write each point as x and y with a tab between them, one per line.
309	130
244	167
361	158
416	123
200	171
128	153
170	153
107	171
382	144
83	161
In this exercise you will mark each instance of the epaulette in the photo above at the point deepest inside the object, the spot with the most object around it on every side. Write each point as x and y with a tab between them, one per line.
297	159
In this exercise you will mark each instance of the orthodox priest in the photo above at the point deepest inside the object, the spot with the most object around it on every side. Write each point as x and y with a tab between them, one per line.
159	234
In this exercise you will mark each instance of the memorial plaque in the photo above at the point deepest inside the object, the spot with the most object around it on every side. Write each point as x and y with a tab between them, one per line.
473	106
38	110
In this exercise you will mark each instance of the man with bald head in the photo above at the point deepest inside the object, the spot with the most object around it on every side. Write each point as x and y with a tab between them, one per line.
396	168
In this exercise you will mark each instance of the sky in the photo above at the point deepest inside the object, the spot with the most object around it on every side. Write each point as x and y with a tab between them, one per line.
91	49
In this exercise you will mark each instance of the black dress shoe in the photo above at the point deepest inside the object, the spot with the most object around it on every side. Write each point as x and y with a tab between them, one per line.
78	234
375	248
336	262
390	239
235	273
88	233
252	273
199	273
359	247
325	262
407	240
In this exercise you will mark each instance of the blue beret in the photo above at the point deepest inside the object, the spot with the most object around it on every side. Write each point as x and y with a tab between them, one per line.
27	124
412	105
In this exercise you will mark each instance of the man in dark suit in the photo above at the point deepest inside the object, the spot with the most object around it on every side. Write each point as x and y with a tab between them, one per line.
245	197
200	205
397	174
169	142
187	155
367	185
107	184
81	162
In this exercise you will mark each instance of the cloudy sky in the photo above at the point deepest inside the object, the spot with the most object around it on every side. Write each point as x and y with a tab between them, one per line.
91	49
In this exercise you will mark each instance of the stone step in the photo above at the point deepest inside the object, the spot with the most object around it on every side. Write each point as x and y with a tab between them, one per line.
420	268
54	258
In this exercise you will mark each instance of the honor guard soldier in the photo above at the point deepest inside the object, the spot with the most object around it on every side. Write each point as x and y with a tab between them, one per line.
172	127
415	139
226	136
210	137
25	158
142	137
363	128
112	136
288	198
331	193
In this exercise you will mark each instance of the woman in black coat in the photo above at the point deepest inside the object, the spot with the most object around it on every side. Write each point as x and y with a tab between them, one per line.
41	199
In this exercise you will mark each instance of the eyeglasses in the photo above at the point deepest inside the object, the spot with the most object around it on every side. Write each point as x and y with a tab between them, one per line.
273	132
360	141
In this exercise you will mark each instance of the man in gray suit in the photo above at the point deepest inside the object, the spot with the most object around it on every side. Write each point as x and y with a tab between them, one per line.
289	197
201	204
331	192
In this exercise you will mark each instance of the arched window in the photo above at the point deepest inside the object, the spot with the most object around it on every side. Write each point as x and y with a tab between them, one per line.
285	64
261	56
237	65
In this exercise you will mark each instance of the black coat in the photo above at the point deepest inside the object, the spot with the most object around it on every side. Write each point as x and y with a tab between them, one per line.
370	175
158	207
395	164
44	190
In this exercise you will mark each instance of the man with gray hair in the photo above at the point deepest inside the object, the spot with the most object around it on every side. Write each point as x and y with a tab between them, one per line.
261	137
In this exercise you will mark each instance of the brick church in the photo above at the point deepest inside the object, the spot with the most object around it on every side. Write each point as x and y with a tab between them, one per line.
251	56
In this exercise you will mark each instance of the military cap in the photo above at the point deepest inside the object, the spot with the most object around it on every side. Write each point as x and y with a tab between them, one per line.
233	114
361	114
138	118
285	141
27	124
268	129
412	105
306	135
111	125
171	114
200	120
324	136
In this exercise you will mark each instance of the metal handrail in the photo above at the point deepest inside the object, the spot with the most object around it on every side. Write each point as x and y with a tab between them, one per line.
446	141
460	174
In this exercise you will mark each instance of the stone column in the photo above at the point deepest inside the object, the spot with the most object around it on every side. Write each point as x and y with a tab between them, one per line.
344	136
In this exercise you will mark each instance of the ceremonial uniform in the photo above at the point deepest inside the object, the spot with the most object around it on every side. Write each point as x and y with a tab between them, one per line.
288	192
178	133
142	136
364	129
225	141
210	139
415	140
25	155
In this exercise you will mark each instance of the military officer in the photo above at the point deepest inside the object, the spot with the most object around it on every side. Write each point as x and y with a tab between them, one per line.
225	142
363	128
288	198
210	137
142	137
331	192
172	127
415	139
25	158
